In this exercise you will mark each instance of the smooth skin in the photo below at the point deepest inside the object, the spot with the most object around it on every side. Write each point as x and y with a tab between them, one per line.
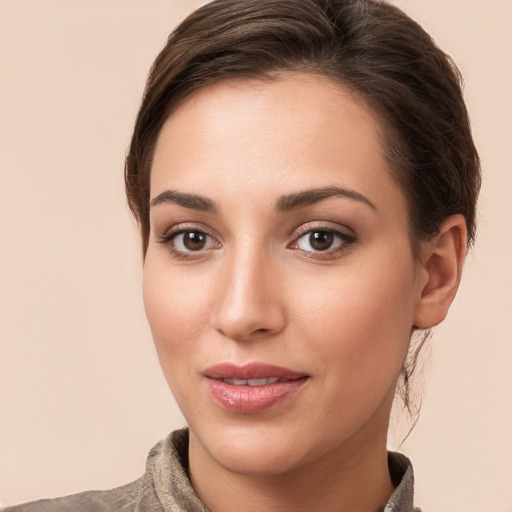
242	268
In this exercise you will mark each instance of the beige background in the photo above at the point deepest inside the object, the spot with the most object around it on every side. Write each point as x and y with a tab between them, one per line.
82	398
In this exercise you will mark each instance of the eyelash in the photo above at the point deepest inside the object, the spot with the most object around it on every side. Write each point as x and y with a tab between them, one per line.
170	236
344	242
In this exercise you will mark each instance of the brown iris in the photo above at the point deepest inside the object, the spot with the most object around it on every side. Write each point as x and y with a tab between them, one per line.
194	240
321	240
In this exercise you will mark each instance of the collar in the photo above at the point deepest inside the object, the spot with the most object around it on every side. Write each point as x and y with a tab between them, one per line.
167	479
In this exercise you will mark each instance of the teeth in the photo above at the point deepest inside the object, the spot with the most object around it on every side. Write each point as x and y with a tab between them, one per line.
262	382
252	382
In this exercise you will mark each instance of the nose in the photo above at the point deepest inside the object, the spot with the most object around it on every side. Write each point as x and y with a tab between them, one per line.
249	301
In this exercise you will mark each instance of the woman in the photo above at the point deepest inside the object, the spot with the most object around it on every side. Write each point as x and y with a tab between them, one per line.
305	181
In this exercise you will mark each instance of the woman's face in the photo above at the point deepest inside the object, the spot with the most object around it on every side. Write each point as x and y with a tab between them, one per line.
279	282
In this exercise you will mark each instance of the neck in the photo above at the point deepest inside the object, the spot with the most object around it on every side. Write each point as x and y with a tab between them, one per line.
353	479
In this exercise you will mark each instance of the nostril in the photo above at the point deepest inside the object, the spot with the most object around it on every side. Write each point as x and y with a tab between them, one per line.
256	333
243	316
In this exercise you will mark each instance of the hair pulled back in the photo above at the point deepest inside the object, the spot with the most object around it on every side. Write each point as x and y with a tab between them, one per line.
368	46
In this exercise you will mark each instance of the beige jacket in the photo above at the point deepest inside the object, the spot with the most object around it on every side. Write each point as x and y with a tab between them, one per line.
165	487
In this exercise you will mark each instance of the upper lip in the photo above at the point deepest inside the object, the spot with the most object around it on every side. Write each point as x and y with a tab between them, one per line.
250	371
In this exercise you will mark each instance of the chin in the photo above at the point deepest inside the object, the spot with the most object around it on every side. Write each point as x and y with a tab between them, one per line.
263	450
256	460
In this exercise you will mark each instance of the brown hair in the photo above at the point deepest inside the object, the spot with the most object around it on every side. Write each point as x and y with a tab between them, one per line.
369	46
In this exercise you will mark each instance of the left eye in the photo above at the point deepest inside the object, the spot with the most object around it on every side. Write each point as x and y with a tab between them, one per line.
321	240
192	241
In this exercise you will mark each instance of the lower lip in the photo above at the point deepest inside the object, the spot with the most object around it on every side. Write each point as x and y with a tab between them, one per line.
251	399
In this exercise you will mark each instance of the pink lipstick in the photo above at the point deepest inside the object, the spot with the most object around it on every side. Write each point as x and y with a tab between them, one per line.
253	387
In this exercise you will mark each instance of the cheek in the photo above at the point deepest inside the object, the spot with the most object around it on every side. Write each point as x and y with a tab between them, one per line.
174	311
176	319
360	322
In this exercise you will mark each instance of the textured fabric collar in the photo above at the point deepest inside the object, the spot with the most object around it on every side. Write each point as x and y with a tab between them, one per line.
167	474
166	487
402	475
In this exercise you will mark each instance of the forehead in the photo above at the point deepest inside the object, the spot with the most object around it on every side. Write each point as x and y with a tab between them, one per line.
293	131
305	102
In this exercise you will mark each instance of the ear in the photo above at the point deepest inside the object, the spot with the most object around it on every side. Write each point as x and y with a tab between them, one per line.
441	268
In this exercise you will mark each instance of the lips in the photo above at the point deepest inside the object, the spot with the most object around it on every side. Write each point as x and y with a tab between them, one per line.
252	388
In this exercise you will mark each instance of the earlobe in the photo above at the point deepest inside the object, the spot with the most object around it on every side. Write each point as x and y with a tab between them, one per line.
443	259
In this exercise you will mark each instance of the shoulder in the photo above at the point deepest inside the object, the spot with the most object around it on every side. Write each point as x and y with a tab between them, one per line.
119	499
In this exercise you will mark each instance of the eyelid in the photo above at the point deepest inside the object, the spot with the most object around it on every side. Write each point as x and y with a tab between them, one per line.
344	233
324	226
183	227
173	232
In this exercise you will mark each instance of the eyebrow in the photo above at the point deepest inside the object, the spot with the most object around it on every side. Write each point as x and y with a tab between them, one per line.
308	197
285	203
192	201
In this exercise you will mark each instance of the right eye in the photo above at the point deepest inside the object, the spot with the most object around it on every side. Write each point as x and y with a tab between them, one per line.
186	243
192	241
